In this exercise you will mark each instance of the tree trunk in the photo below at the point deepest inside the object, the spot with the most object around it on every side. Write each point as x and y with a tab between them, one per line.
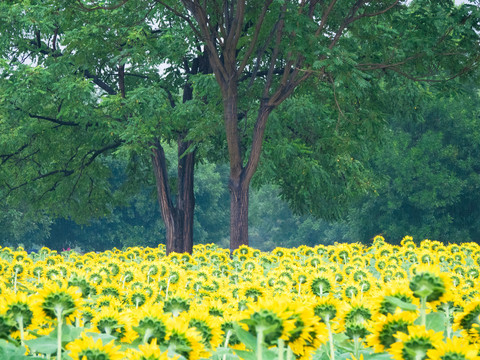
170	214
239	195
186	197
238	183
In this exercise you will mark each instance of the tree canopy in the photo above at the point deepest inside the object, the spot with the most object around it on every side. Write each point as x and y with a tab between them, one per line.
84	85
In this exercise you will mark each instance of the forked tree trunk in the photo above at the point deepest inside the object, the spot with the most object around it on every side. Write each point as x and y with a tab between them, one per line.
178	217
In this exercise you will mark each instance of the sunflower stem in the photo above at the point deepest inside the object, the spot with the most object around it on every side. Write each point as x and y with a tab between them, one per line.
259	344
356	344
15	282
448	326
281	348
168	285
330	337
227	340
423	310
147	336
289	353
299	288
59	334
20	328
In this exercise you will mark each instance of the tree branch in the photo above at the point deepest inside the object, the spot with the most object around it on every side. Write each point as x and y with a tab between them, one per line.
113	7
254	40
99	82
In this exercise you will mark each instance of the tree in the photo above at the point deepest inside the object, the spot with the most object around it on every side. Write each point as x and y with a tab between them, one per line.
79	83
429	167
261	52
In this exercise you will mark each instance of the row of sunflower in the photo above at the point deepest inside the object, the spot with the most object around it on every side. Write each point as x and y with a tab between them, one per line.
407	302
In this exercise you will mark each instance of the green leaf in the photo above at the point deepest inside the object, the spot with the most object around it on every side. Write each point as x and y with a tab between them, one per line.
69	333
246	355
245	337
434	321
8	351
105	337
44	345
401	304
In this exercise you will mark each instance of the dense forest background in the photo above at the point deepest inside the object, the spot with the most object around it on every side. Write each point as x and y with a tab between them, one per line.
426	171
106	111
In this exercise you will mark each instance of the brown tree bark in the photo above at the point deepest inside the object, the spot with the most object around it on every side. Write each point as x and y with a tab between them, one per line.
178	214
221	32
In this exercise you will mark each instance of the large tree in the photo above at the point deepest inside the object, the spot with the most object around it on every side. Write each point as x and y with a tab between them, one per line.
261	52
79	83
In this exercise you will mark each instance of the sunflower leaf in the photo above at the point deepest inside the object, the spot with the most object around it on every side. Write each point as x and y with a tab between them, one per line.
434	321
245	337
246	355
401	304
44	345
9	351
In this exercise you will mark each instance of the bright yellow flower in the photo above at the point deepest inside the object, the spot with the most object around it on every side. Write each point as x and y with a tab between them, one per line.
385	327
85	348
54	301
456	348
183	340
415	344
148	352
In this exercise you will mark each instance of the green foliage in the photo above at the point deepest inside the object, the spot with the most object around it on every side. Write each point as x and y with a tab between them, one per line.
427	167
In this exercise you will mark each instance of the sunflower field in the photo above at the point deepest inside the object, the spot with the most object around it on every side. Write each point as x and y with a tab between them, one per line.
346	301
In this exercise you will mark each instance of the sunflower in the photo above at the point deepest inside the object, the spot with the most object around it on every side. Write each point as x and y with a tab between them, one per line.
108	301
177	303
398	289
269	317
183	340
469	319
207	326
85	348
251	291
321	284
137	298
109	321
385	327
307	334
110	289
430	283
150	323
7	323
147	351
326	308
19	308
454	349
415	344
55	302
355	311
